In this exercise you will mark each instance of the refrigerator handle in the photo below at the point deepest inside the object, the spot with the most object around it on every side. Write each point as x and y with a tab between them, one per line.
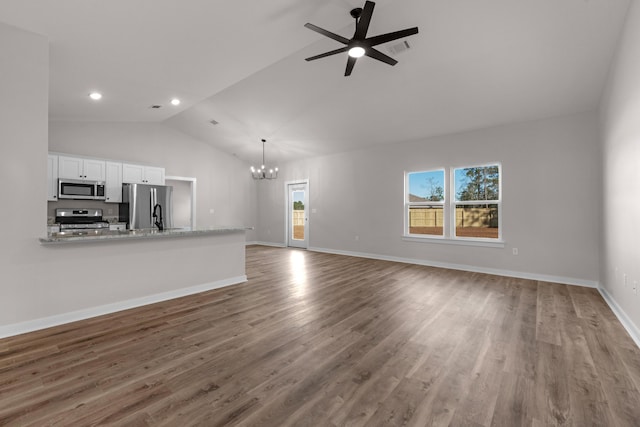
152	200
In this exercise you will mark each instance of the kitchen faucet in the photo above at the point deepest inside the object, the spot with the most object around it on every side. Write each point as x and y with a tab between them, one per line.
158	221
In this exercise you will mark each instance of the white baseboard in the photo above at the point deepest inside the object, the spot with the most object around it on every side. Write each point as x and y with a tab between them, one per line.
628	324
60	319
471	268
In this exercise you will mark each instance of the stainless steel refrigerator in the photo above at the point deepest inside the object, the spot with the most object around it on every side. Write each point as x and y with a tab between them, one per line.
147	206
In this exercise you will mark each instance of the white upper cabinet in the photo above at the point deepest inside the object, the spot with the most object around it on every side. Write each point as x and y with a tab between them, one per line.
133	174
70	167
52	178
154	175
139	174
79	168
113	182
95	170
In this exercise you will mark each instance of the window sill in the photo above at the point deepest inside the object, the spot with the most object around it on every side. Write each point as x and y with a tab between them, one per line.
493	243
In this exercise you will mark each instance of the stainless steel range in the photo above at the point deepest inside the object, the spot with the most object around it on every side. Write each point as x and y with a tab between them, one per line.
81	221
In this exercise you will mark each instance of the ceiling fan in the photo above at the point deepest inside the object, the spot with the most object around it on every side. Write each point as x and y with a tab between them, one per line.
360	44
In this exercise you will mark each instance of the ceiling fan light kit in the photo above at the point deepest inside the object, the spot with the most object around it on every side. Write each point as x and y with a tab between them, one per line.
264	172
360	45
356	52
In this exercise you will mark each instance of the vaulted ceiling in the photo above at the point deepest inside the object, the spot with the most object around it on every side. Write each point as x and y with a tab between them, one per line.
241	63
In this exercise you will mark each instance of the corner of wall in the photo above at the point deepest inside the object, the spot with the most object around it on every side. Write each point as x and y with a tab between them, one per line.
628	324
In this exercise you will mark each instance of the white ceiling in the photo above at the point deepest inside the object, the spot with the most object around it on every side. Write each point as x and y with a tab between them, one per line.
475	63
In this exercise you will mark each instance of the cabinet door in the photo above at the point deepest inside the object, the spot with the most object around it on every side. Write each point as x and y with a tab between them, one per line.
133	174
70	167
94	170
113	182
52	178
153	175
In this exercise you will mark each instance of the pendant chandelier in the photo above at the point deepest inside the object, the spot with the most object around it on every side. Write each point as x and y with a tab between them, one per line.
264	172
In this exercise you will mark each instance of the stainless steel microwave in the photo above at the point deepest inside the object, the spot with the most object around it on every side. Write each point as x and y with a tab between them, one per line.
82	190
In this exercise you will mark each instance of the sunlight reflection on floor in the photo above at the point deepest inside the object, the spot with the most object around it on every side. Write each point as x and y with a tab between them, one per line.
298	269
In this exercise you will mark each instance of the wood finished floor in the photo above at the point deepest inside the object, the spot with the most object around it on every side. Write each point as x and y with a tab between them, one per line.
325	340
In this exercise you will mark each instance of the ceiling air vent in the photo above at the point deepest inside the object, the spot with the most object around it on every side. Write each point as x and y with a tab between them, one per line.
398	48
213	122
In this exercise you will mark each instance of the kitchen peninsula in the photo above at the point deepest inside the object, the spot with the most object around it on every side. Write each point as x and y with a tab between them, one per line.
108	273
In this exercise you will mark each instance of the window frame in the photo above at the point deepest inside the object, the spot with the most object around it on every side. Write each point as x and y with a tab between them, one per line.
409	204
449	204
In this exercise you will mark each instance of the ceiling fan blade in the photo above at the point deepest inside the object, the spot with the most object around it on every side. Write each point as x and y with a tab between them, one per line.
326	33
384	38
363	22
350	63
376	54
324	55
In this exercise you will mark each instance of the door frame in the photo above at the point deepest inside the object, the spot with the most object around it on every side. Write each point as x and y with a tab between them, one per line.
286	209
193	182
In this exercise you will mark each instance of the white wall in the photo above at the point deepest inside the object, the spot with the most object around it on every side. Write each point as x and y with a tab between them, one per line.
620	114
224	183
24	88
551	187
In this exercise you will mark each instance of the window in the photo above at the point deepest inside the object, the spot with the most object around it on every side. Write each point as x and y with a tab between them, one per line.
477	202
469	210
424	204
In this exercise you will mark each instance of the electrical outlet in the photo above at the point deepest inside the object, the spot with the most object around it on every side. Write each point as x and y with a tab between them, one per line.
624	279
211	211
514	251
357	238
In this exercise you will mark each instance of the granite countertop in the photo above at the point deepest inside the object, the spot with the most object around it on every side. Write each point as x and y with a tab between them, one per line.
112	235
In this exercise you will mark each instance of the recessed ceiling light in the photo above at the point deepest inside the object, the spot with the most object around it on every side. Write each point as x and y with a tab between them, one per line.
95	96
175	101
